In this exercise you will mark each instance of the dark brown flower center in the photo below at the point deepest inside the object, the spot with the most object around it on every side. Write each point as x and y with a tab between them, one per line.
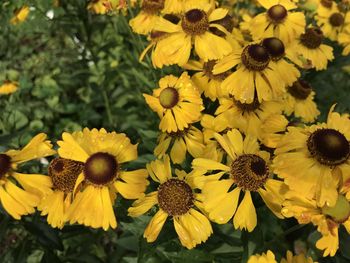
250	172
327	3
208	71
247	107
277	13
275	47
169	97
300	89
195	22
175	197
312	38
226	22
101	168
255	57
5	164
336	19
152	6
64	173
328	147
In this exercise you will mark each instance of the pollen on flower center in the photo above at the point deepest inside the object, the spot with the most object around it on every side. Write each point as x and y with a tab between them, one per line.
195	22
277	13
247	107
340	212
64	173
169	97
336	19
275	47
328	147
255	57
5	164
175	197
300	90
152	6
250	172
100	168
312	38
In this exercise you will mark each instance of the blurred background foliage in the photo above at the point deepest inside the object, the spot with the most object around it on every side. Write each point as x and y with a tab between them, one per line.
76	69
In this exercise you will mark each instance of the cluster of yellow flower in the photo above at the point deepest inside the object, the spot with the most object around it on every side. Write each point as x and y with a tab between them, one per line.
251	65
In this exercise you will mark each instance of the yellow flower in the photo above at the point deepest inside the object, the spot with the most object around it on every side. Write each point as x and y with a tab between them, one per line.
102	176
328	219
344	40
205	80
272	129
20	193
97	6
301	258
144	22
179	6
8	87
189	140
300	100
194	27
176	198
332	21
308	48
268	257
63	174
254	76
177	102
278	21
247	117
212	125
20	15
316	156
249	171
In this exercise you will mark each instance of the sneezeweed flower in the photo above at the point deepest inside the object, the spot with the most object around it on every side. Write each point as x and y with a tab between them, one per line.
247	117
144	22
272	129
8	87
316	156
174	198
63	174
194	28
248	172
278	21
300	258
287	71
213	124
179	6
177	102
269	257
254	74
328	219
344	40
189	140
20	15
102	178
299	100
98	7
20	193
332	22
208	83
309	49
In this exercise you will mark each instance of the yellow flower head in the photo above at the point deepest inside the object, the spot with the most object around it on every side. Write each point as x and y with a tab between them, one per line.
249	171
176	198
278	21
20	15
102	176
194	27
98	6
177	102
20	193
63	174
344	40
301	258
8	87
312	159
268	257
308	51
300	100
189	140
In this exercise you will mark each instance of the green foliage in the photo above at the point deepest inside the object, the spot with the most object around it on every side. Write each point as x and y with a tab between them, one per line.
76	69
